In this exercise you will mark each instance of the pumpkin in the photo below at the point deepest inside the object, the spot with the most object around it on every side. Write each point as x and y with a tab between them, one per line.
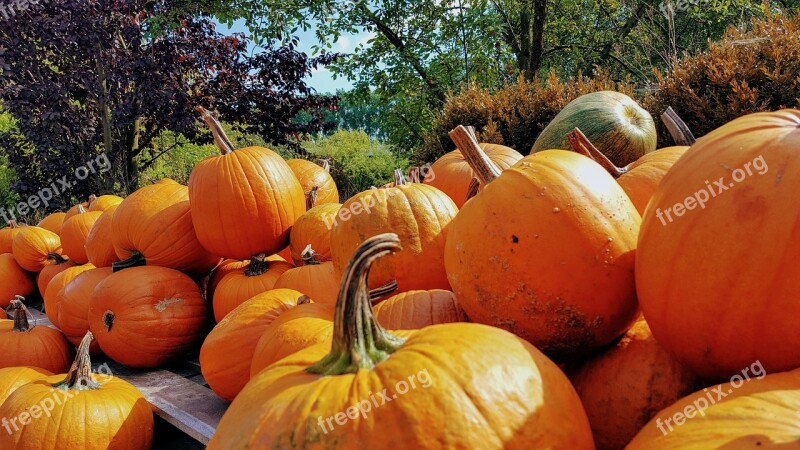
74	210
153	227
7	236
245	281
419	213
320	281
144	317
57	265
465	370
545	251
316	180
83	411
12	378
283	255
103	202
728	203
13	280
418	309
624	386
228	350
73	305
34	246
99	244
452	173
750	412
638	179
314	228
74	232
298	328
614	122
31	345
52	222
52	299
244	201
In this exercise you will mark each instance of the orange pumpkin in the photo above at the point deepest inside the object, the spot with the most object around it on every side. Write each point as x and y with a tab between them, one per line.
52	297
99	244
12	378
314	228
103	202
74	210
52	222
34	246
57	265
244	281
728	203
316	180
7	236
418	309
244	202
32	345
320	281
455	386
144	317
13	280
228	350
554	237
452	174
622	388
73	305
153	227
74	232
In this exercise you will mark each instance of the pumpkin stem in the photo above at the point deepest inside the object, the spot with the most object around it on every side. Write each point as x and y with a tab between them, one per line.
581	144
81	209
108	319
309	256
303	299
325	164
311	197
379	292
258	265
485	169
224	144
136	259
473	189
12	224
399	177
677	128
92	198
359	341
80	374
21	323
56	258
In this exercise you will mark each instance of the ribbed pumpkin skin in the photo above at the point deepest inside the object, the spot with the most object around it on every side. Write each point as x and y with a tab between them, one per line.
115	416
13	280
41	347
228	350
468	403
52	299
244	203
690	269
74	234
236	287
452	174
99	245
159	314
614	122
622	388
314	228
73	307
12	378
312	175
7	238
74	210
642	178
155	221
52	222
320	282
105	202
546	251
32	245
760	413
419	214
296	329
418	309
49	272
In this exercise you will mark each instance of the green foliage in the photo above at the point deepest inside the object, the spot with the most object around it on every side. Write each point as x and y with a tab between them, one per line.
8	197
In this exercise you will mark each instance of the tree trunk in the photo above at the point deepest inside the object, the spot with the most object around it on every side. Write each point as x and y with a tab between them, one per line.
530	48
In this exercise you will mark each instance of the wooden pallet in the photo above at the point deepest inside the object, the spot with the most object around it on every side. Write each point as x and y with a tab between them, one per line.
179	394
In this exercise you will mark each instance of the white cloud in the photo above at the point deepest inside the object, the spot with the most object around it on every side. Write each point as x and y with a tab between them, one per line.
343	43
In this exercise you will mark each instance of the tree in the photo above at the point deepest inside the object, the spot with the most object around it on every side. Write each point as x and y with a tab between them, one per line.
88	77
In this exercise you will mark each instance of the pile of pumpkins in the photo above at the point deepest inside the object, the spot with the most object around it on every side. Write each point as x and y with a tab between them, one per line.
545	296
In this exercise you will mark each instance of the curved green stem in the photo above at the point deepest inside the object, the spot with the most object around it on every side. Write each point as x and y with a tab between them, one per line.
136	259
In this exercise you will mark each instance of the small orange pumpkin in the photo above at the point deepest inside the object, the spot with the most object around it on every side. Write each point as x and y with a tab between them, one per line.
14	280
99	244
74	210
33	247
57	265
52	222
12	378
314	228
51	296
320	281
74	232
244	281
318	185
33	345
418	309
7	236
103	202
73	305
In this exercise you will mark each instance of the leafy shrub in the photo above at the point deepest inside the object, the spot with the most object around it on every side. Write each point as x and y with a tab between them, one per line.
8	197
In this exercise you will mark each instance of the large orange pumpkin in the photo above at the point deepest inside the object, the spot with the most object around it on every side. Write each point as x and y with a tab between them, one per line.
546	251
245	281
7	236
727	205
99	244
153	226
103	202
73	305
316	180
245	201
57	265
144	317
314	228
51	296
452	173
418	309
623	387
447	386
74	232
320	281
34	246
11	378
228	350
33	345
82	410
52	222
13	280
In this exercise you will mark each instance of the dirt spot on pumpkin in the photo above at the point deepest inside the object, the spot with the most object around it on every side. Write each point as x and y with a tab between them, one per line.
164	304
571	332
